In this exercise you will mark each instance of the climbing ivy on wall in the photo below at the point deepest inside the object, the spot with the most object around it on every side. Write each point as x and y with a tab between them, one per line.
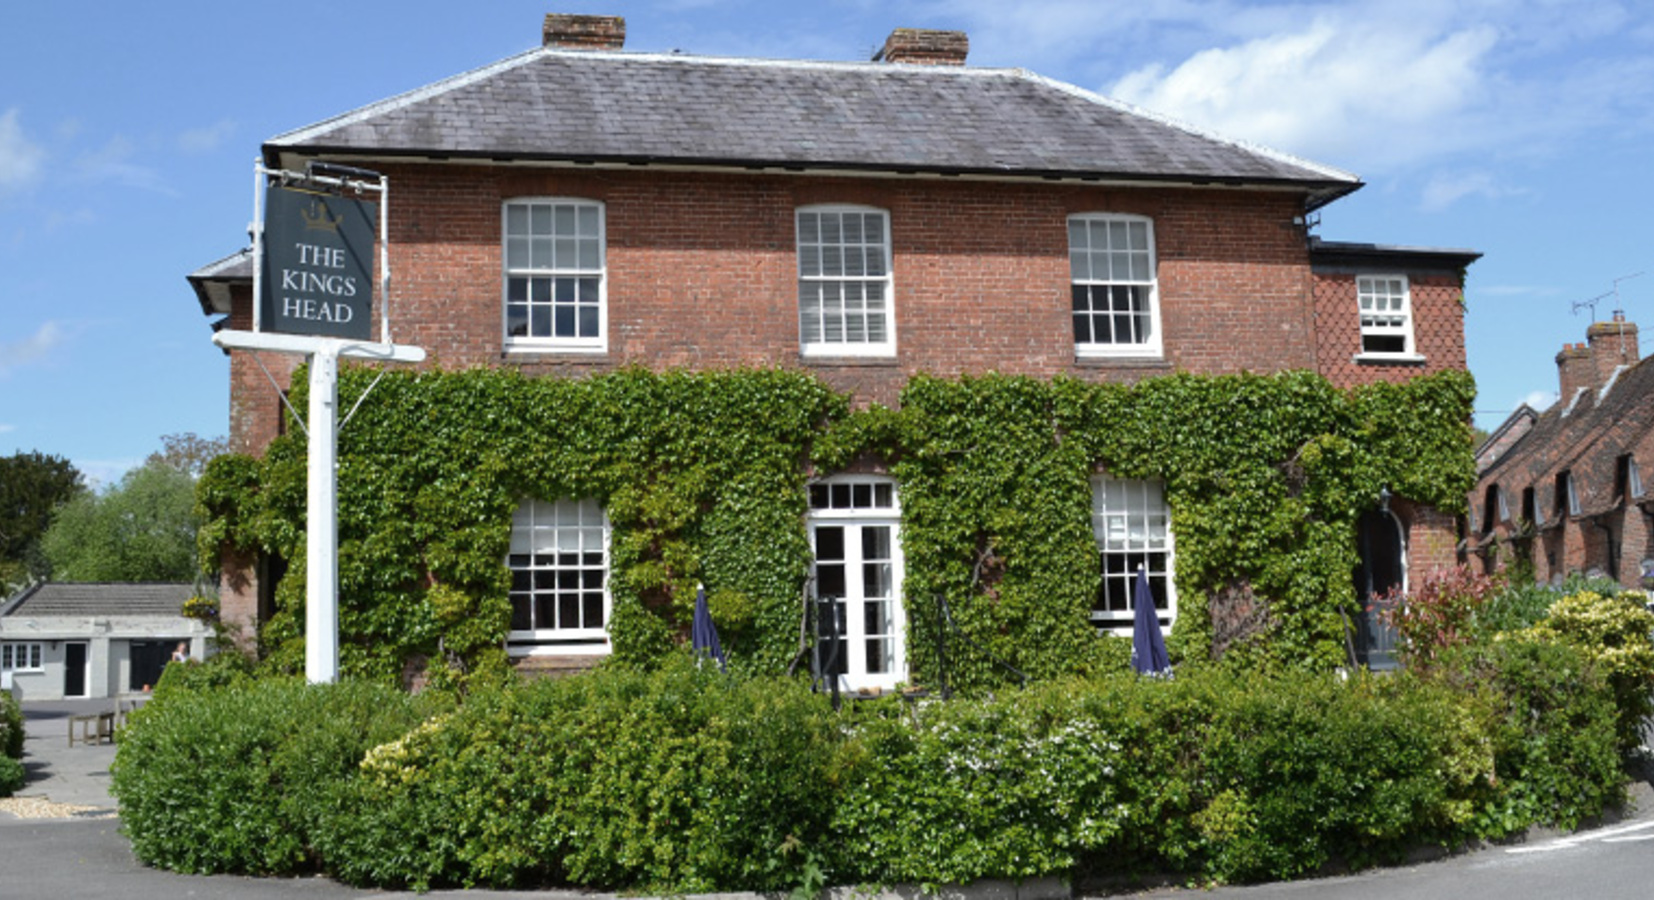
703	476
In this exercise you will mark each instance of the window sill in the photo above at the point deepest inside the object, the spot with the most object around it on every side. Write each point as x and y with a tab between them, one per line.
1087	361
1389	359
571	354
810	359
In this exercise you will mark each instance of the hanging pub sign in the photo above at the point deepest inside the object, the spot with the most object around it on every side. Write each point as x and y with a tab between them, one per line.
318	263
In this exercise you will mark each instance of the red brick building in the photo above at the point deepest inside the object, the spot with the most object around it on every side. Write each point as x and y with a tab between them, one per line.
580	208
1567	495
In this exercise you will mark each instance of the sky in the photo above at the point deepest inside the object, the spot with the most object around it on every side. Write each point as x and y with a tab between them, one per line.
128	132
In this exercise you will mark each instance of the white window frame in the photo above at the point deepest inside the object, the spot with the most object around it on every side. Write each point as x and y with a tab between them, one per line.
1384	303
872	501
544	532
558	261
32	655
1131	521
1094	261
1633	479
857	261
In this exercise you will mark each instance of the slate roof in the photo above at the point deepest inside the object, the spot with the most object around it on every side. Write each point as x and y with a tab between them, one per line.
84	599
558	105
212	281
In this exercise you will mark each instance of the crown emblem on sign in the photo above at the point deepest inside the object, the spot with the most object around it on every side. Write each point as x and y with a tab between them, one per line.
318	218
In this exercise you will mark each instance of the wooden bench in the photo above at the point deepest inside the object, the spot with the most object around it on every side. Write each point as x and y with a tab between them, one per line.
95	728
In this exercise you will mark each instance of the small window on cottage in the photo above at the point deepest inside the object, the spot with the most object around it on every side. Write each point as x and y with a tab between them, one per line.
559	564
1132	525
555	283
1530	508
21	657
1567	496
844	290
1628	483
1114	285
1386	314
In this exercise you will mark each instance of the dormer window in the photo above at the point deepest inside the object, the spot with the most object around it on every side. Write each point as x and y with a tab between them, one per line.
1567	497
1628	481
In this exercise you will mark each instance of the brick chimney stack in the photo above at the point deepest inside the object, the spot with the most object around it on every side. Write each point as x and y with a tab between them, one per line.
926	48
1575	369
1613	344
583	32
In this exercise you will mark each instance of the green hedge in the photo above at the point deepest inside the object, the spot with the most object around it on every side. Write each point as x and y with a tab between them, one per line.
234	776
682	780
11	726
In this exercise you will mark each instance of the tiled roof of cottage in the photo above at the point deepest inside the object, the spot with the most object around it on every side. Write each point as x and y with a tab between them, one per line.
79	599
558	105
1585	434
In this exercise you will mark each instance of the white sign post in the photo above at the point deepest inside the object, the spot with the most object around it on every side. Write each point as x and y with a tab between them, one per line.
321	613
321	617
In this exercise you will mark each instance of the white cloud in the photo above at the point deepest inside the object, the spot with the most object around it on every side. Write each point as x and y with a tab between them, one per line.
207	138
7	428
102	473
1445	189
1369	94
113	162
20	158
1540	400
16	354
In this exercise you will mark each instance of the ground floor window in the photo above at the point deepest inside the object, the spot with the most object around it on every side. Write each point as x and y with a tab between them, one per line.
21	657
559	563
855	533
1132	525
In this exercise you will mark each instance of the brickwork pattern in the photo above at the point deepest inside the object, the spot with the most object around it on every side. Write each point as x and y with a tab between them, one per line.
1438	329
702	273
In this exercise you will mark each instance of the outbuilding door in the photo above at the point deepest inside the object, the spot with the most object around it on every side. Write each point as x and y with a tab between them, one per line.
148	660
74	669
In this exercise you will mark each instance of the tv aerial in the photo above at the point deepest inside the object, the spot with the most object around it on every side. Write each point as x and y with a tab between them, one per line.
1591	304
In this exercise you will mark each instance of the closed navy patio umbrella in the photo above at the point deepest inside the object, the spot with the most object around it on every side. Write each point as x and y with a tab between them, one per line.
1148	648
703	635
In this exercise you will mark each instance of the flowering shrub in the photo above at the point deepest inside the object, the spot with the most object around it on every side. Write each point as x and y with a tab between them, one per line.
1615	633
201	607
1438	614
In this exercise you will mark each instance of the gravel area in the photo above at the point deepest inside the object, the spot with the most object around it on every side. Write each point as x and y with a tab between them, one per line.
41	808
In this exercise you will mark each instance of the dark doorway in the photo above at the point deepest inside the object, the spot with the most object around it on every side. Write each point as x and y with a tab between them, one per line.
74	669
148	660
1378	582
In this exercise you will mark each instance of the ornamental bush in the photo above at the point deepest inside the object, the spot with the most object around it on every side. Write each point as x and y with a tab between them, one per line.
11	726
12	776
1614	632
232	776
680	780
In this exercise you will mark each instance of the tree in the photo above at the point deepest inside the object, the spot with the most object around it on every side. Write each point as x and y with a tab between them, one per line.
32	486
188	452
142	529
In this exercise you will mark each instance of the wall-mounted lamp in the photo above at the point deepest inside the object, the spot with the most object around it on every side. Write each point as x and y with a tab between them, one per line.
1384	499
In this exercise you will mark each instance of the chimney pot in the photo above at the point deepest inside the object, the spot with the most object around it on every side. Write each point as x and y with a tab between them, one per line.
925	47
583	32
1613	344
